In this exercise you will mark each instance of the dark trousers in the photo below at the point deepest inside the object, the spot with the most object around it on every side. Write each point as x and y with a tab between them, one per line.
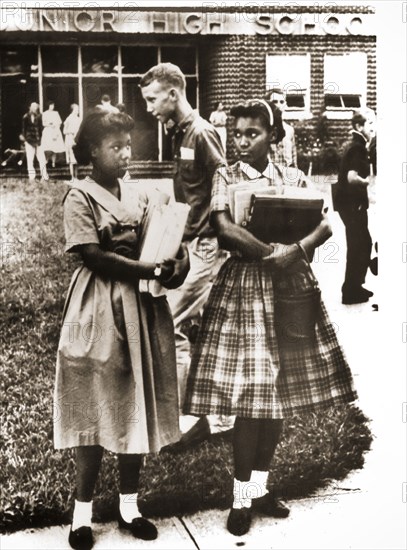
359	245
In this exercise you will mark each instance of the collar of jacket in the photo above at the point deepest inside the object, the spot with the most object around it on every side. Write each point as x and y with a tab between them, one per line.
357	136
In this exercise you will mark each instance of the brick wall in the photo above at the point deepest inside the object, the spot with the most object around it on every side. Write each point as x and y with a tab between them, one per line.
234	68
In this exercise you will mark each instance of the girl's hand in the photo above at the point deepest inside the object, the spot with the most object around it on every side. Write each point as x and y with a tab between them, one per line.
283	255
179	269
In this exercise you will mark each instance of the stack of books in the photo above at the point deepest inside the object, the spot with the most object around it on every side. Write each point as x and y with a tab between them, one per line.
282	219
283	213
162	230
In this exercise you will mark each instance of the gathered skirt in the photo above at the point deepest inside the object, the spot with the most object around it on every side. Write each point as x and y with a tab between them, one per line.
238	366
116	382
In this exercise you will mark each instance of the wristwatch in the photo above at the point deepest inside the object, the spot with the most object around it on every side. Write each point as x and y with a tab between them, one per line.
157	271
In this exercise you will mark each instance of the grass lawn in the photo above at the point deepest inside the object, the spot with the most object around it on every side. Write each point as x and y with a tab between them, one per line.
36	480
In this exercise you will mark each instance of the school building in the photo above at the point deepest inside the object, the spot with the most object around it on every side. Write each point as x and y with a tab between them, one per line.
324	57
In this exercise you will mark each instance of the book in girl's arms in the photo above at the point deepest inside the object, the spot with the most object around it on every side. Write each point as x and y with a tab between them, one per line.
163	228
284	219
240	196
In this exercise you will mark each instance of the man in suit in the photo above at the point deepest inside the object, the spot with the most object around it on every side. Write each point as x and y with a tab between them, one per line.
352	203
284	152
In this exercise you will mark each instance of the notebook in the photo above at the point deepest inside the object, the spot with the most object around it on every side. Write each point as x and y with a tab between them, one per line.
283	219
162	235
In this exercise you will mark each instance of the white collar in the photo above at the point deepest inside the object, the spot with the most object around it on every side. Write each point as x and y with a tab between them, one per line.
254	174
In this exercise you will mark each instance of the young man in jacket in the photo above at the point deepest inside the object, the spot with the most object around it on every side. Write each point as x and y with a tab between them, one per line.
352	203
31	133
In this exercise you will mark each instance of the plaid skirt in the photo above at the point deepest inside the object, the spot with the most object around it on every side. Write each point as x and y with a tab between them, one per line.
238	367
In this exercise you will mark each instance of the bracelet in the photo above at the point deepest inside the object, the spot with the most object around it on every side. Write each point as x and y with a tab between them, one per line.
304	252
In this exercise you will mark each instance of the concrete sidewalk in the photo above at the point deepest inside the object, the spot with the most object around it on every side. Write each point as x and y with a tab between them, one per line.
364	511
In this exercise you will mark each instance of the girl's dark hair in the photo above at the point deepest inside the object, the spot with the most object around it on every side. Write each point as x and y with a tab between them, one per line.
98	124
260	108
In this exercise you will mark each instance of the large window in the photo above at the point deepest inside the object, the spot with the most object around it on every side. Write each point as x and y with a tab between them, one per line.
69	74
345	78
19	88
291	73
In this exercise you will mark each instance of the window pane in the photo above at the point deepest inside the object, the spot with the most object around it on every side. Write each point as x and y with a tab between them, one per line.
19	59
345	74
59	59
332	100
292	74
94	88
144	138
99	59
351	101
138	59
16	95
184	57
191	91
295	101
63	91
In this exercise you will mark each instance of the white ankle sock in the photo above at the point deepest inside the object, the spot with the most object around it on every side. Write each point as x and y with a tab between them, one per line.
82	515
128	507
258	479
240	494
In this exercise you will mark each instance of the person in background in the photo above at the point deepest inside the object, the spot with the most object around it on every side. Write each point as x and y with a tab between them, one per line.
106	104
127	374
352	203
52	139
14	156
218	119
121	107
71	127
32	133
197	152
285	152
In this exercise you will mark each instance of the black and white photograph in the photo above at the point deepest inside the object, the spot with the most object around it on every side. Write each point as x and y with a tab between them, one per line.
203	219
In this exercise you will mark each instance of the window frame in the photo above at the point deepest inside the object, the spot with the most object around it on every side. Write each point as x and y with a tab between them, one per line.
292	113
39	75
343	112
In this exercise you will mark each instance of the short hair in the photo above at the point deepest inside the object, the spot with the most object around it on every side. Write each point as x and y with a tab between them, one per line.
360	116
106	97
165	73
262	109
50	102
98	124
272	91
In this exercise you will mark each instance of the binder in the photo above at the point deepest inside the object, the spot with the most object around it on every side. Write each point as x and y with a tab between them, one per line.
283	219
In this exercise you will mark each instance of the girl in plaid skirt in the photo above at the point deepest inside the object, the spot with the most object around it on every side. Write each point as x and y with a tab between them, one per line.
247	362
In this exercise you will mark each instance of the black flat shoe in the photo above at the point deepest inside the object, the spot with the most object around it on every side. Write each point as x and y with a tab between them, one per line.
81	539
140	528
270	506
239	521
359	298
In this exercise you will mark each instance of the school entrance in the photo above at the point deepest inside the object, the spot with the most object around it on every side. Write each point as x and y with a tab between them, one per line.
81	74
